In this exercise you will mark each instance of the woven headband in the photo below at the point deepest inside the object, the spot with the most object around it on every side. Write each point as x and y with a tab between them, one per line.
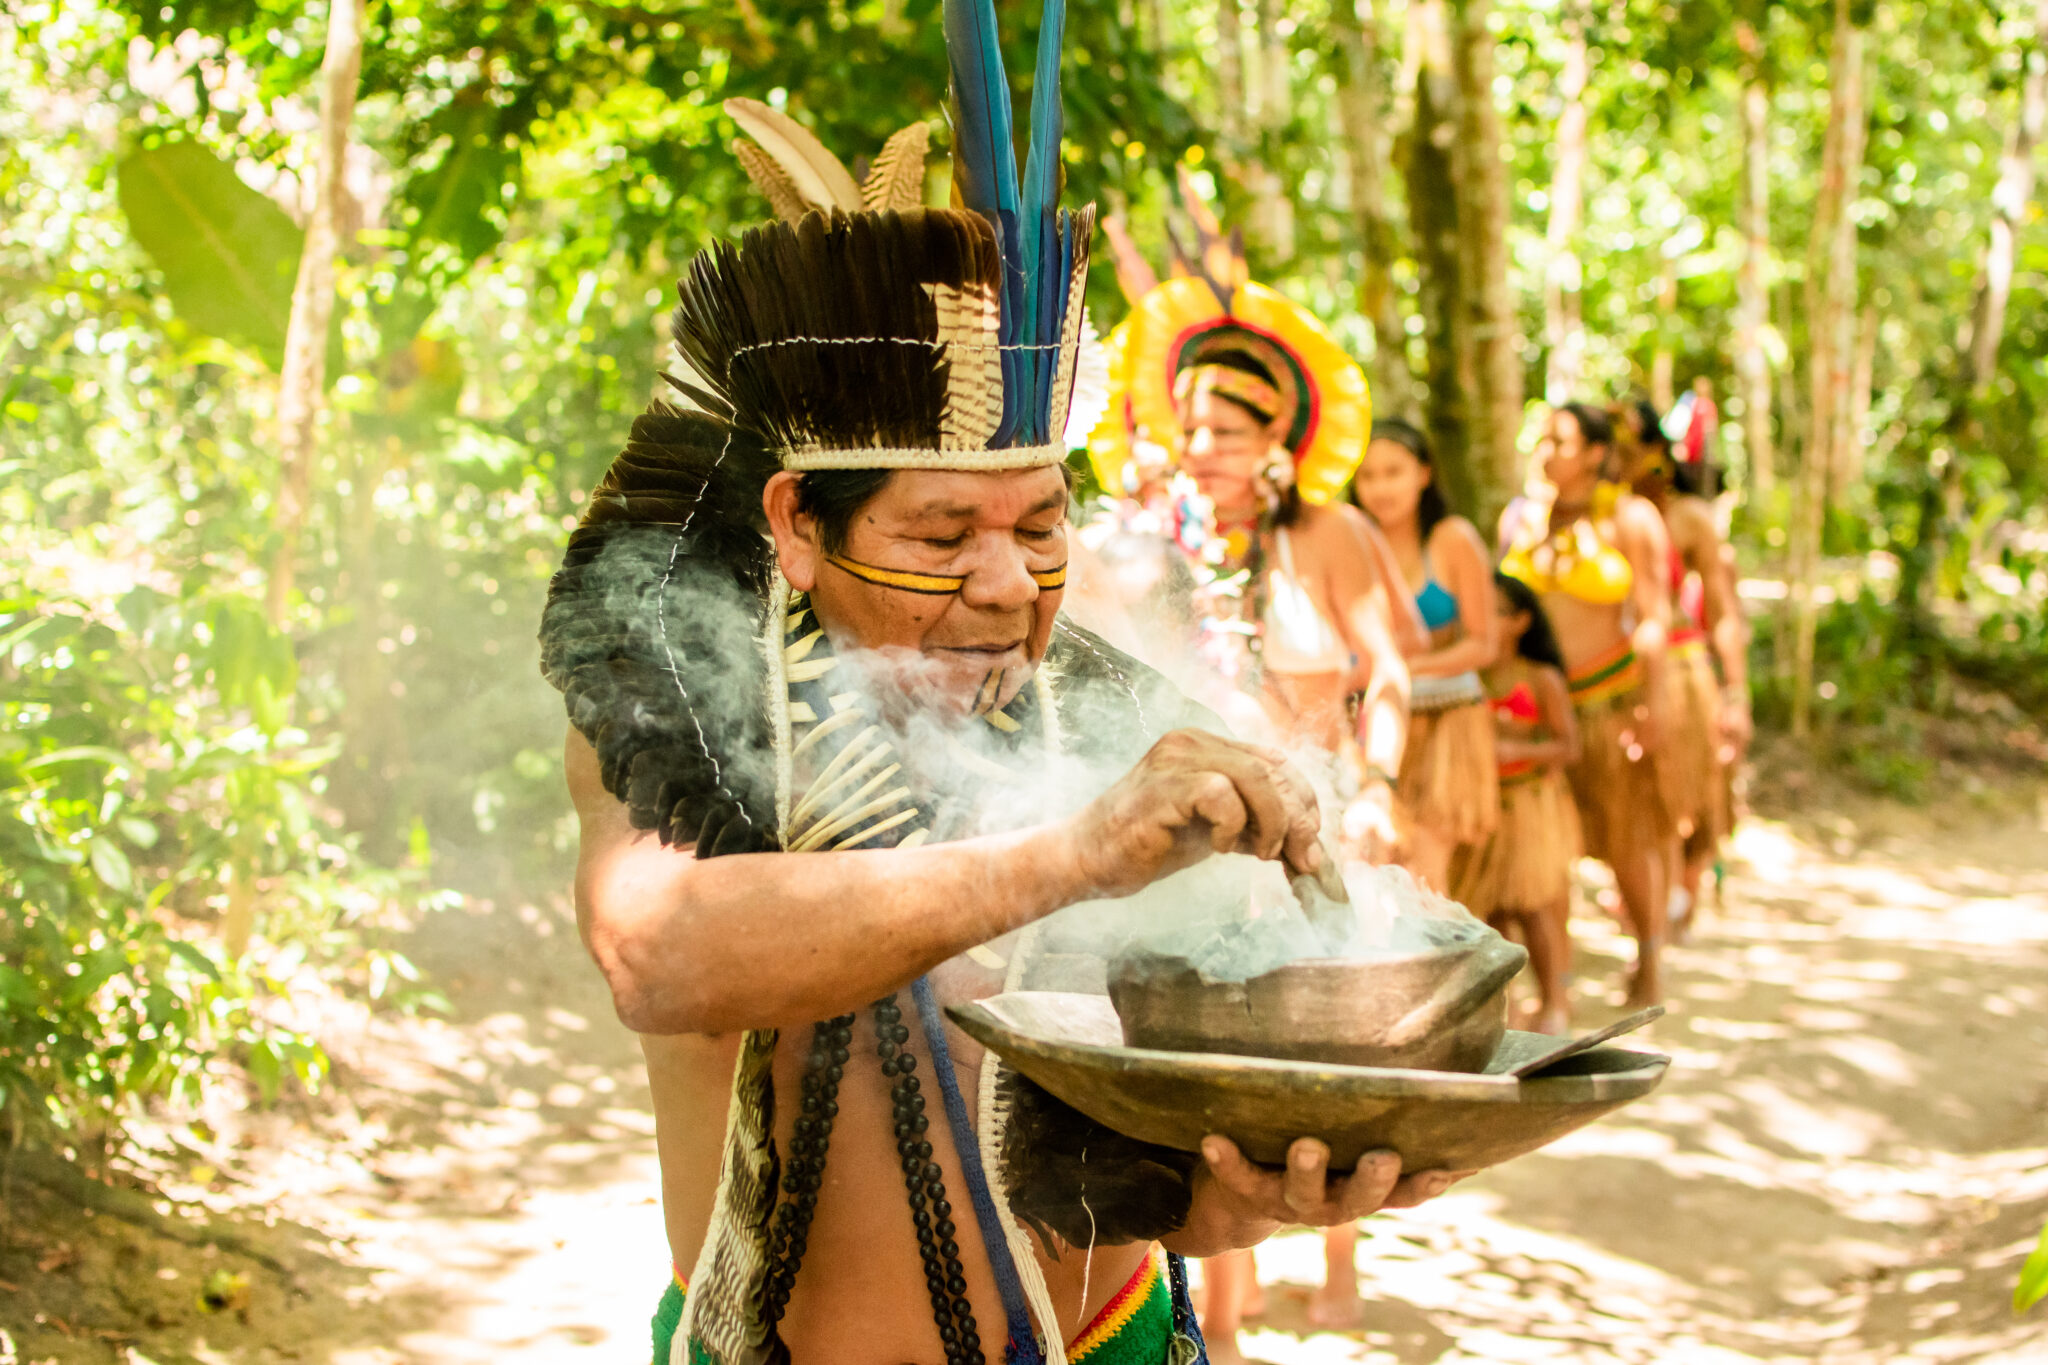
1233	383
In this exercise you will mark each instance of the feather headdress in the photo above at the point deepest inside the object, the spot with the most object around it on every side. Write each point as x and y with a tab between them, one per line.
1208	308
865	331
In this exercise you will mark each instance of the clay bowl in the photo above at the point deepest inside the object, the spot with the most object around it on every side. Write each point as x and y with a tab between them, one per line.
1441	1010
1073	1046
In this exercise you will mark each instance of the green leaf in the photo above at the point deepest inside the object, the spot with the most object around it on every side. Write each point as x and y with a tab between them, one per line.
229	256
76	754
111	865
453	196
190	955
138	831
2033	1285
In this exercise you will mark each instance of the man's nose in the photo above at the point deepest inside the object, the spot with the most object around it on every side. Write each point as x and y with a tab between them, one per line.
1000	580
1201	441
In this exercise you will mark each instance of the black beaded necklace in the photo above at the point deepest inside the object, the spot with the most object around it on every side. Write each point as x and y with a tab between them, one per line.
931	1213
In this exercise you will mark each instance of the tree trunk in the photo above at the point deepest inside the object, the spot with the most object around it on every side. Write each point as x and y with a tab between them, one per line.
1662	391
1272	217
1846	467
1483	236
1752	282
1433	215
1361	109
1229	68
303	382
1831	313
1564	333
1977	346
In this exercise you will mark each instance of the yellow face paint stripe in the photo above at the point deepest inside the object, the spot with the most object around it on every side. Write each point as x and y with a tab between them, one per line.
933	584
936	585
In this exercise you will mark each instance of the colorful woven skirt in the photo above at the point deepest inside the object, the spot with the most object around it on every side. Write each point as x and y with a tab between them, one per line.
1615	782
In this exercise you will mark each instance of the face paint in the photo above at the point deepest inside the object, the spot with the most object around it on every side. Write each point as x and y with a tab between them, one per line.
929	584
933	585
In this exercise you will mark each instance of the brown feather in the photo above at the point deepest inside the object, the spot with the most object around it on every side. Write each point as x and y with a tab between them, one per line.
896	180
771	180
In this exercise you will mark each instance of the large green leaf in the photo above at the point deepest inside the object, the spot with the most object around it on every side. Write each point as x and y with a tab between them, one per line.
2033	1285
229	256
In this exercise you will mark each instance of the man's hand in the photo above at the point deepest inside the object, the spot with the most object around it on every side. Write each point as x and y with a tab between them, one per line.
1239	1204
1194	794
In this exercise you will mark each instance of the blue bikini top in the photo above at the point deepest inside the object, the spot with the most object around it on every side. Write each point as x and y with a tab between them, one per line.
1438	607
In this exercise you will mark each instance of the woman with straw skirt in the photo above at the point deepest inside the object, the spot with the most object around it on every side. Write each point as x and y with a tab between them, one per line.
1709	646
1598	559
1446	783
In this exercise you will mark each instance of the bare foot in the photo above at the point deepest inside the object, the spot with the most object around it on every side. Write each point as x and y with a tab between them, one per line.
1556	1021
1255	1300
1338	1307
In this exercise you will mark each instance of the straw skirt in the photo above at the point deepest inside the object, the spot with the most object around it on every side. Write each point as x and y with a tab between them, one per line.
1688	764
1526	863
1615	783
1449	783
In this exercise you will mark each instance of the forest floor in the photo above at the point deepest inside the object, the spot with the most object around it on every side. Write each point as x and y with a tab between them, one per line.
1847	1162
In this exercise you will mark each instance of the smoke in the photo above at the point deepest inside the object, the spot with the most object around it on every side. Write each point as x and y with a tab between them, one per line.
697	625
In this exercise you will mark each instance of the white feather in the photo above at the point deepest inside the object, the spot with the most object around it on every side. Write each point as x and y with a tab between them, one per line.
820	177
1091	386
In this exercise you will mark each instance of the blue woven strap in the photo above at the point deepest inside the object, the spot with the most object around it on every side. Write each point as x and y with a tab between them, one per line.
1023	1344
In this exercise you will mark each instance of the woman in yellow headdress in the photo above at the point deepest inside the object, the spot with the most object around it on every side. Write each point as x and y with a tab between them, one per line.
1235	422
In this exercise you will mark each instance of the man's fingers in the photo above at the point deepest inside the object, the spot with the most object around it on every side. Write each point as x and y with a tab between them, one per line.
1218	801
1371	1184
1423	1185
1232	1171
1305	1186
1264	802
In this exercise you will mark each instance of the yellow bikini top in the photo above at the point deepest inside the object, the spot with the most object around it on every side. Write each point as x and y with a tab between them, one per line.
1576	560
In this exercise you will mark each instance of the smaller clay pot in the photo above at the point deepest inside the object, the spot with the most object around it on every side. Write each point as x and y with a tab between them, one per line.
1444	1009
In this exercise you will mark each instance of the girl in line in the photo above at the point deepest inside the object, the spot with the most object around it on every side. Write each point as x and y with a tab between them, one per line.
1520	879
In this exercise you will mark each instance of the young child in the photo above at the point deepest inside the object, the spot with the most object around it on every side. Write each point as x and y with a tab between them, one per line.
1519	879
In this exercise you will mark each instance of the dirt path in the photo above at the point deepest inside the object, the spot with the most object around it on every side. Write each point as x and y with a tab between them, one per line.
1846	1164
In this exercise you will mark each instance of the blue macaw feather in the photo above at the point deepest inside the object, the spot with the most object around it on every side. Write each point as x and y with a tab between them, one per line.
984	153
1041	192
1016	375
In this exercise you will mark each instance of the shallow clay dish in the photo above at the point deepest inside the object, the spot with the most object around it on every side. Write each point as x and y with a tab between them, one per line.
1437	1120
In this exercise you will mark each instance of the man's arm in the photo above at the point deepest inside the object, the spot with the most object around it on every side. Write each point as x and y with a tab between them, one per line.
1727	627
693	945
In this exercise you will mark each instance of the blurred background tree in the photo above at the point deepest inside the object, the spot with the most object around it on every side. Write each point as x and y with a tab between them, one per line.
270	580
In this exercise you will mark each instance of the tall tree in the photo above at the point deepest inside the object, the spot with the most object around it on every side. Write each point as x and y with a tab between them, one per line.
1361	110
303	382
1496	361
1433	216
1752	279
1831	326
1981	332
1564	333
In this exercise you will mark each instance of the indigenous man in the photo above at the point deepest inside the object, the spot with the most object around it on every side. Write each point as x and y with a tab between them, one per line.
819	616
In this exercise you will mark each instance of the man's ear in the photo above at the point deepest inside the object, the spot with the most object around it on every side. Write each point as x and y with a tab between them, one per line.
795	546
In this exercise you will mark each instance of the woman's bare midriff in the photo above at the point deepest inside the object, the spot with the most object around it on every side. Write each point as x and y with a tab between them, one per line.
861	1298
1585	630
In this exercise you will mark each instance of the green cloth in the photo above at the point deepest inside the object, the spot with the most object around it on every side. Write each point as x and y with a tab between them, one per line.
667	1318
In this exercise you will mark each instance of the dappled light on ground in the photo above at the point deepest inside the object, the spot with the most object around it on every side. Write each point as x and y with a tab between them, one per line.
1847	1164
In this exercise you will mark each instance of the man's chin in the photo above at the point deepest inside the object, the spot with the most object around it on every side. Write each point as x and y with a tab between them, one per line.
957	682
